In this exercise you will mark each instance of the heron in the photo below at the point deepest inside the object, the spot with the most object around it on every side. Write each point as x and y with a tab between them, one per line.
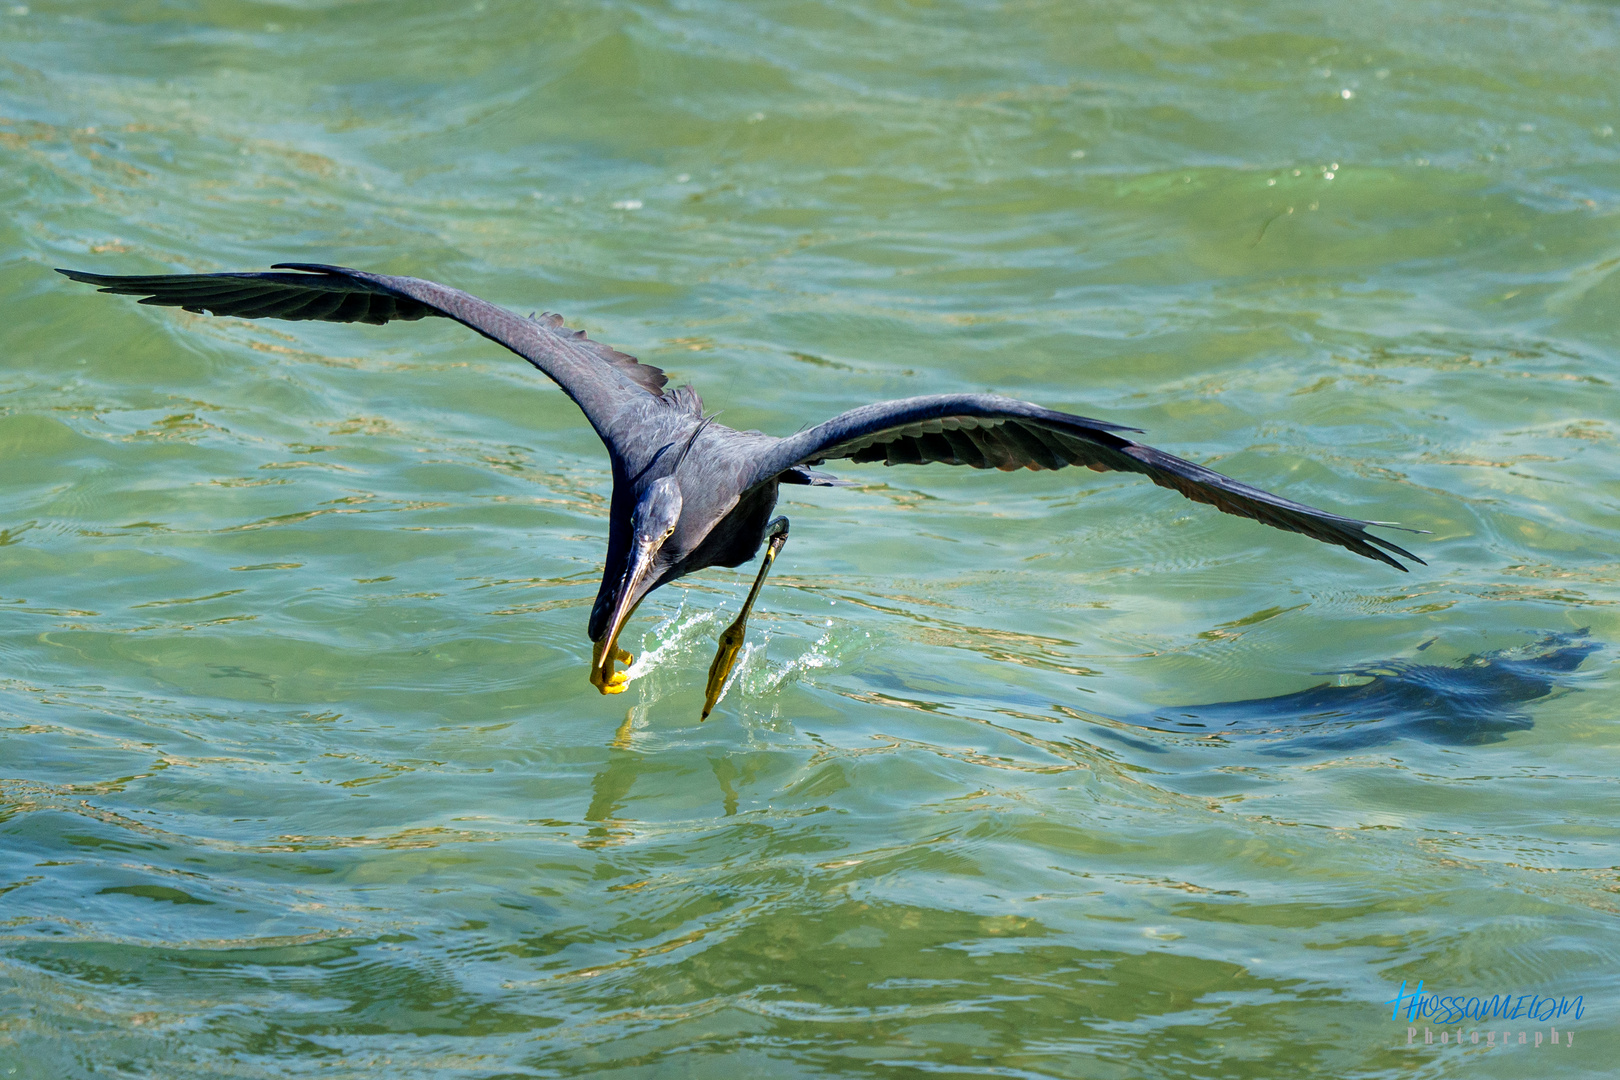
690	493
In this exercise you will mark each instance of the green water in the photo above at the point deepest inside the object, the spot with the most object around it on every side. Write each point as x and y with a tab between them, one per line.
300	774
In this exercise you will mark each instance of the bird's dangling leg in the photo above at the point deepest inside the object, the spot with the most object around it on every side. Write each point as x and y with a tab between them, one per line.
731	639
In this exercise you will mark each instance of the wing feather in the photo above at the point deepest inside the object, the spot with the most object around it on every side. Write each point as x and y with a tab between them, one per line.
985	431
599	378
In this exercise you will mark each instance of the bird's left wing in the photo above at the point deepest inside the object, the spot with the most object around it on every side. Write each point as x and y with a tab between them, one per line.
598	378
990	432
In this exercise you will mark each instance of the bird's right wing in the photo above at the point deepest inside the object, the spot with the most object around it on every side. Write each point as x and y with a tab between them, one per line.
598	378
989	432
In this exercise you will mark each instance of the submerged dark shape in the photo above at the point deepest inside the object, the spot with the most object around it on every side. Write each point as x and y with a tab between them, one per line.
1477	701
689	493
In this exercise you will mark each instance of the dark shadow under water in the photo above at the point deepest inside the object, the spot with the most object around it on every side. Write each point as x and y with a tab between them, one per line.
1479	700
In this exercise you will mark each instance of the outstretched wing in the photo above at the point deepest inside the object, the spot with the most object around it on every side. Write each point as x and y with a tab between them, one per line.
989	432
598	378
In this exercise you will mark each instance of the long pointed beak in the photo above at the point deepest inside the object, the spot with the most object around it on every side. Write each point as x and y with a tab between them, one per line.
630	595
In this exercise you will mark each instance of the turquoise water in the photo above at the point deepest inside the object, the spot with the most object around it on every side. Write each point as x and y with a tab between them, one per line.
300	774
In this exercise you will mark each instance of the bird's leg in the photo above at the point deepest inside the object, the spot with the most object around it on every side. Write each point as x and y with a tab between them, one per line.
731	639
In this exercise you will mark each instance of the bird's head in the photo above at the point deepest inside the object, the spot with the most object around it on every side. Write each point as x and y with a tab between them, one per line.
652	522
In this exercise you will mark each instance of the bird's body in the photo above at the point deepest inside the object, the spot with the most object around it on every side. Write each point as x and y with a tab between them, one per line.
690	493
723	516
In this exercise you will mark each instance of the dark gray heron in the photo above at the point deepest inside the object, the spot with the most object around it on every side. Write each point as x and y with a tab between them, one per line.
689	493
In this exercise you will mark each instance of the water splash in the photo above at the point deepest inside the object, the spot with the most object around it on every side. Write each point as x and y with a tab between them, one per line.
762	680
673	640
682	644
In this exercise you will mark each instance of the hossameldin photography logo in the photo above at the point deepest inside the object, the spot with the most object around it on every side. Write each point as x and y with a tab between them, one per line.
1514	1019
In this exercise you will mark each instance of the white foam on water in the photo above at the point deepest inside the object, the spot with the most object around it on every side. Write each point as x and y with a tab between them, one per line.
675	641
683	642
674	637
761	680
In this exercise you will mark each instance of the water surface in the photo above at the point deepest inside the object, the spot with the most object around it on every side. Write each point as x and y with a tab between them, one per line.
300	773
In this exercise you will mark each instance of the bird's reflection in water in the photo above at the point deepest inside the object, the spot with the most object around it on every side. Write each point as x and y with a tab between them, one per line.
610	787
1478	700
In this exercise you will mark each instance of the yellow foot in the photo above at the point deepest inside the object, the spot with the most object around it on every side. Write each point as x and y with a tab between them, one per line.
623	657
609	681
725	658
